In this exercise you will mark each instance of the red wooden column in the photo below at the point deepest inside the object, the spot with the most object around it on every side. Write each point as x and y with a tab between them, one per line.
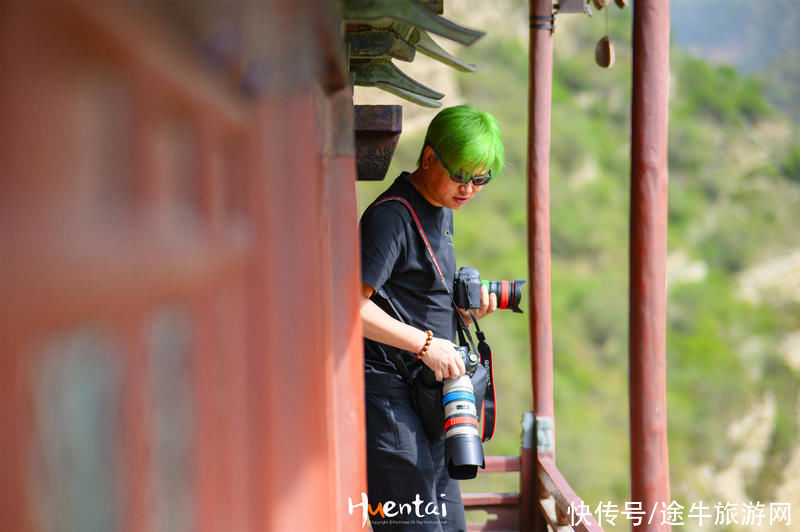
648	247
540	73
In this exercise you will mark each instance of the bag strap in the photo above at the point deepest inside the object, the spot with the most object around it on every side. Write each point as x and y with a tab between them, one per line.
397	358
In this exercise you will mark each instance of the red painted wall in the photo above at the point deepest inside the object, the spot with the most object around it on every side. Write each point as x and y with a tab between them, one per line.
179	342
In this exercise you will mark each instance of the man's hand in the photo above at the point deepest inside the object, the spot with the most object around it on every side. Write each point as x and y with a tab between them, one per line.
441	356
443	359
488	305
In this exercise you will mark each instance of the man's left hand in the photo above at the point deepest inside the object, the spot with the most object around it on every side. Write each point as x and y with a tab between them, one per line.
488	305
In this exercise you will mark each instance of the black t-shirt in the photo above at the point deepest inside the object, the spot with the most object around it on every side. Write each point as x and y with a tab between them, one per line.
394	258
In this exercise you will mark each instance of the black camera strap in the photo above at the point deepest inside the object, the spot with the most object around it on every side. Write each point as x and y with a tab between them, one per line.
489	403
489	400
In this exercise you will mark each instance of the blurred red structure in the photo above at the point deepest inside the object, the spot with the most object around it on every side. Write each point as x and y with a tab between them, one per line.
179	350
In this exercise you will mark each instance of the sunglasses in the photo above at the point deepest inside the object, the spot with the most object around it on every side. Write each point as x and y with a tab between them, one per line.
460	177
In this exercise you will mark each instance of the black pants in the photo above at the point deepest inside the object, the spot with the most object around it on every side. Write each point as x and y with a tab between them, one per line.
406	469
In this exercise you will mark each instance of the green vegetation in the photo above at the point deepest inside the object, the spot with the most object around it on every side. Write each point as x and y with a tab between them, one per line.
791	164
780	80
718	93
734	196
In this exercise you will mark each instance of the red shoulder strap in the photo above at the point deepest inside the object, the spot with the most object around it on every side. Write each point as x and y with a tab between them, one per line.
419	228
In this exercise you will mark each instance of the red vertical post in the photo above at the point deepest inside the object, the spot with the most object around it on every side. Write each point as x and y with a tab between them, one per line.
346	399
648	248
540	75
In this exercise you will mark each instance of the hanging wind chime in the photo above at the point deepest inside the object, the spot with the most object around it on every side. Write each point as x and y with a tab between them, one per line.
604	51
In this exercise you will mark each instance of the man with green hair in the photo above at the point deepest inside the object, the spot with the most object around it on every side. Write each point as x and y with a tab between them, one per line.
406	308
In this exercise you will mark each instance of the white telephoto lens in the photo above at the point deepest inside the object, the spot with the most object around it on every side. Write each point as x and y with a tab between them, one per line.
460	408
462	429
462	383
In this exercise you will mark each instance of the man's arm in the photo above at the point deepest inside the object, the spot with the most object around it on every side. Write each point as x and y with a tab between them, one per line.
378	326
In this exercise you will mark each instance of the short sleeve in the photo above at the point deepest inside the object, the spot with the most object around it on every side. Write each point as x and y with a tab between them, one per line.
383	243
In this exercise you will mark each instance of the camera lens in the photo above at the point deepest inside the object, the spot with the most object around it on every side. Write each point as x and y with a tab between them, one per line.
463	448
508	293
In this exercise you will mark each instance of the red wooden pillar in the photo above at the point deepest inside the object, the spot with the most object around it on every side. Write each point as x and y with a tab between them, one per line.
346	360
540	72
648	247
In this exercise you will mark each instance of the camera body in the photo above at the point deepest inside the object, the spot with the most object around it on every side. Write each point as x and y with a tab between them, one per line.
471	360
467	288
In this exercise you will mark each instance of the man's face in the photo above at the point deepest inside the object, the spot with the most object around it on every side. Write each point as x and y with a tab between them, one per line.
441	189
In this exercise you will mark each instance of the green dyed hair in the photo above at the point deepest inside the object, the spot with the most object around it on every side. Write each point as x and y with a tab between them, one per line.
466	139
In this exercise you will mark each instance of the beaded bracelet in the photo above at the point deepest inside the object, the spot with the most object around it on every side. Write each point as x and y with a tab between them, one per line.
427	345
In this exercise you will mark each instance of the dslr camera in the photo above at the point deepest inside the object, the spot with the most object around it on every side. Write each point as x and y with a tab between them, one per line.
467	290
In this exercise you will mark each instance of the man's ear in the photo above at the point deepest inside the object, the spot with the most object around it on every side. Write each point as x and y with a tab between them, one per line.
428	157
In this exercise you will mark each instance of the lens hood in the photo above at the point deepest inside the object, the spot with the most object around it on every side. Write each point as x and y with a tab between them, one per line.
463	455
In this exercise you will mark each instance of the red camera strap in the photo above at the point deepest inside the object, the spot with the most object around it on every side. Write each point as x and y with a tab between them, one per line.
419	228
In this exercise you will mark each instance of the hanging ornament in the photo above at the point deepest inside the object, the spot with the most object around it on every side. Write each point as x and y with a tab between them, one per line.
604	51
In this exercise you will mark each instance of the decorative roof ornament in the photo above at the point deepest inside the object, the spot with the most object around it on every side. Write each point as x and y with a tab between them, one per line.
378	31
